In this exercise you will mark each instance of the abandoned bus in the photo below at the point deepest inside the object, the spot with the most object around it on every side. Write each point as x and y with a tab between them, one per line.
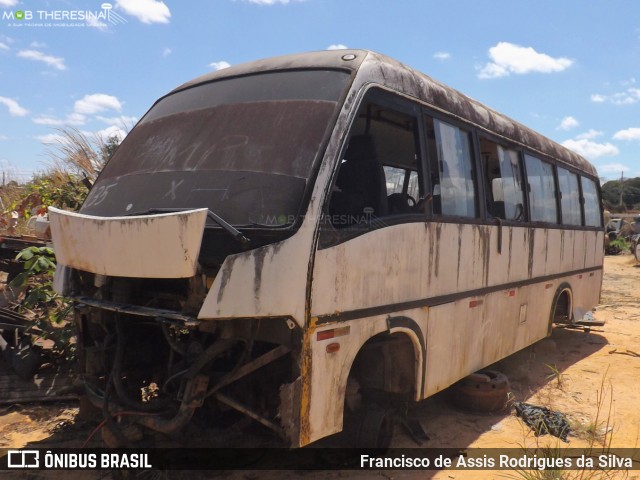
317	237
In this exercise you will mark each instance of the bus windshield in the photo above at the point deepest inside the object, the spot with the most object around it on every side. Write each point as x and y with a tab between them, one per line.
243	147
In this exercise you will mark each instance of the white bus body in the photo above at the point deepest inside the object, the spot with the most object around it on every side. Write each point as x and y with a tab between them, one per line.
485	234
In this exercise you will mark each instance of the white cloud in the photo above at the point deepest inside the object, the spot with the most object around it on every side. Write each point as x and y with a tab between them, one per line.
632	95
3	137
8	3
48	120
627	134
71	119
221	65
508	58
442	56
337	46
51	139
123	120
147	11
166	52
87	105
4	46
272	2
36	44
589	149
568	123
628	97
589	134
106	133
613	168
97	102
55	62
15	110
110	132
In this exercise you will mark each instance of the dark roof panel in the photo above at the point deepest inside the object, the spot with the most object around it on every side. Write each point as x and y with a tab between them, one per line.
377	68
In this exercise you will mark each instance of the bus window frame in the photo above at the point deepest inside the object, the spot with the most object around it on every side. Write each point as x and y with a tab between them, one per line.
475	163
580	199
598	189
552	162
502	142
389	99
572	169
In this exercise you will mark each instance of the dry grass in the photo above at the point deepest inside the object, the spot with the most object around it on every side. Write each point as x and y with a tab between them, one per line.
74	156
80	153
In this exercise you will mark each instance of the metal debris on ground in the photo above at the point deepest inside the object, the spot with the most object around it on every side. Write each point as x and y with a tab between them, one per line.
625	352
542	420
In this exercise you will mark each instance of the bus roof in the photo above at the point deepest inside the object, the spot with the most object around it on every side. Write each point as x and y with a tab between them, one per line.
383	70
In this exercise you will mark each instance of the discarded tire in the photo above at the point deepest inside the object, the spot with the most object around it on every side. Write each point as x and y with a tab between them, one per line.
485	391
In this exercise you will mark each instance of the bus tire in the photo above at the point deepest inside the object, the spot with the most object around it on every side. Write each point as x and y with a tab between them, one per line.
376	427
486	391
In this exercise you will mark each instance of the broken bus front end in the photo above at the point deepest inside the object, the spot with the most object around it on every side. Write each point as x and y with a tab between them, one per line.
182	261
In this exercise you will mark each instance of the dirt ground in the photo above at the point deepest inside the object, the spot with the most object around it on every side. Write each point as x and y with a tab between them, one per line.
591	377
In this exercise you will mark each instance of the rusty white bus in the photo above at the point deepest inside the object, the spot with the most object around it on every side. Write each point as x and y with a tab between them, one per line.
314	237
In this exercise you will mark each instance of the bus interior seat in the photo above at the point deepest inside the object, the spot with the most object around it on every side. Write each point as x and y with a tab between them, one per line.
361	180
496	209
398	203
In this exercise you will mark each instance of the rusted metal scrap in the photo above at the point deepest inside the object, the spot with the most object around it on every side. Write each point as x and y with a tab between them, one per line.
625	352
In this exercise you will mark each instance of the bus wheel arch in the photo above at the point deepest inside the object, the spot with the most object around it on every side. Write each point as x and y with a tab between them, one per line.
383	375
561	306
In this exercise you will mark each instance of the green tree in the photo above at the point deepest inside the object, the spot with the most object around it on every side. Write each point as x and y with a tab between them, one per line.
630	193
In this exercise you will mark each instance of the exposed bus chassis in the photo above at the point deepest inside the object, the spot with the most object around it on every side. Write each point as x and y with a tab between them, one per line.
146	361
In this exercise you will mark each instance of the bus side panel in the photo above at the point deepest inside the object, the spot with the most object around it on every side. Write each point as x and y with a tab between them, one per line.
402	263
539	266
571	251
455	340
553	254
329	372
586	287
586	292
266	282
475	286
508	262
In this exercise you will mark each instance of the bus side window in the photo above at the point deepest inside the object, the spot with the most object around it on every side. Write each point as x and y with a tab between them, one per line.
451	168
379	174
542	190
592	216
360	188
503	181
569	197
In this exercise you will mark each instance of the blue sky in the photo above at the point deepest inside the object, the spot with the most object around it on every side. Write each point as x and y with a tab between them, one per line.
569	69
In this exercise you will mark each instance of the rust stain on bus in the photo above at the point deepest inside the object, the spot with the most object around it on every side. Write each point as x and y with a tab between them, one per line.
305	386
